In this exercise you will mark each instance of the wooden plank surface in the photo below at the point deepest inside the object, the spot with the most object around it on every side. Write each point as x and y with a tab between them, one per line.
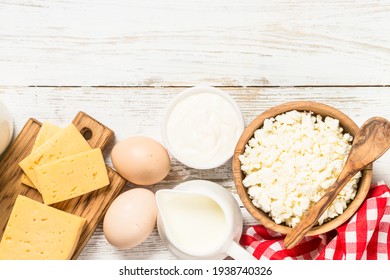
182	43
138	111
122	62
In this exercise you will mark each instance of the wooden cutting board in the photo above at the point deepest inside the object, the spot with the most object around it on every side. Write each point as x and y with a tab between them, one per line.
91	206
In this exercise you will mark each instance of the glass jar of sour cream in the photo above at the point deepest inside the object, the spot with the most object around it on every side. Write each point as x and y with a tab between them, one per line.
6	127
201	127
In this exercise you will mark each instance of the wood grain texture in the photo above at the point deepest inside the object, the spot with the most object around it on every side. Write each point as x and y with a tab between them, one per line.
138	111
10	173
92	206
96	134
184	43
150	50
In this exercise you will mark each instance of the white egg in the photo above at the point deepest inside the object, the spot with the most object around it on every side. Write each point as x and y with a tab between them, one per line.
131	218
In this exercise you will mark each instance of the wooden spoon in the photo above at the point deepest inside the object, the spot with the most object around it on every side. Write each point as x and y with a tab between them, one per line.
371	141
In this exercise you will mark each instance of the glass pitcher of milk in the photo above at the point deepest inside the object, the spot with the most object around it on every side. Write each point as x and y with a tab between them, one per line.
6	127
200	220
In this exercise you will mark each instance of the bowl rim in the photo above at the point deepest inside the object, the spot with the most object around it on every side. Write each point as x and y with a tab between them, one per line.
346	123
178	98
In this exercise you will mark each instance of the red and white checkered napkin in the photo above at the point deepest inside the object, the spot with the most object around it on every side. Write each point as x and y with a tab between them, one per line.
366	236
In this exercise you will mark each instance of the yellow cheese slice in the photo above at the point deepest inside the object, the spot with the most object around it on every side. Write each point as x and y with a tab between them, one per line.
72	176
67	142
47	131
36	231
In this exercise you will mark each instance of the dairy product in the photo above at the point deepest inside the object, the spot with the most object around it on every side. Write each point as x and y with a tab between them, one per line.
290	163
6	127
47	131
67	142
202	127
200	219
36	231
195	222
72	176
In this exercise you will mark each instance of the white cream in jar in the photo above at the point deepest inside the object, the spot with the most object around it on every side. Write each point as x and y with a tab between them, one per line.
6	127
202	126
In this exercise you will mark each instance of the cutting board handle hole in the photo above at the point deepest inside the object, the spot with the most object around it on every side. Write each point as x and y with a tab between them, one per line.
87	133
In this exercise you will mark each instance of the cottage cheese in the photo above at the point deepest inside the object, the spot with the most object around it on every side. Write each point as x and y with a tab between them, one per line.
290	163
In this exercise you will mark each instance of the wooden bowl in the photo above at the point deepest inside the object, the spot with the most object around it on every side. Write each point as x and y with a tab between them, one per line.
318	109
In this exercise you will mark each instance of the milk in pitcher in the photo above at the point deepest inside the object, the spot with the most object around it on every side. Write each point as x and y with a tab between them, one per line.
195	222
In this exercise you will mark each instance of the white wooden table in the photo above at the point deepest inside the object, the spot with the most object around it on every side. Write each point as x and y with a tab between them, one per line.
122	61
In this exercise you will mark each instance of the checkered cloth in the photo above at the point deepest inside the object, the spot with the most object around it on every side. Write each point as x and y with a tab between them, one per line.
365	236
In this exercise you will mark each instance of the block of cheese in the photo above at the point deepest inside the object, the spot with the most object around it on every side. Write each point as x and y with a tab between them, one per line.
47	131
38	231
72	176
67	142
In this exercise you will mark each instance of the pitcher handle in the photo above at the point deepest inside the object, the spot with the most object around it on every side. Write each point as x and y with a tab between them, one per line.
238	253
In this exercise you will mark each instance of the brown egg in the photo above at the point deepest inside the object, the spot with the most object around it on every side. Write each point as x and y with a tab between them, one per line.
141	160
131	218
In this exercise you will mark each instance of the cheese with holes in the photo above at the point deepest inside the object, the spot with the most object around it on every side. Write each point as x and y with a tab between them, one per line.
47	131
36	231
68	141
72	176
